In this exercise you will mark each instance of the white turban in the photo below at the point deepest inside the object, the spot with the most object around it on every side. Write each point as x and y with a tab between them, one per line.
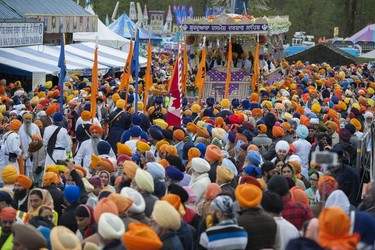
166	216
200	165
282	145
368	114
144	180
110	226
139	204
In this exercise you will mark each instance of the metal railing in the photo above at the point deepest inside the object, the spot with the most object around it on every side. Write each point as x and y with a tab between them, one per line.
365	157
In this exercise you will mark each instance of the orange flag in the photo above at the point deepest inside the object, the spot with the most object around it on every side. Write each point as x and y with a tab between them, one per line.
94	85
185	72
171	79
255	76
201	74
148	80
229	74
127	71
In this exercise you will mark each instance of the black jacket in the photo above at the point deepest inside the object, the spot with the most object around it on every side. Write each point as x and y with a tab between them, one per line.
68	218
260	226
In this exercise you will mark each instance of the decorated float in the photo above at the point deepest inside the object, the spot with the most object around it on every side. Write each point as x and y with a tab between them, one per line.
244	33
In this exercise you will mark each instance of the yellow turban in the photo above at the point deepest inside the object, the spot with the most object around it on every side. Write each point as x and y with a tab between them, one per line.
123	149
161	123
142	146
120	103
9	174
356	124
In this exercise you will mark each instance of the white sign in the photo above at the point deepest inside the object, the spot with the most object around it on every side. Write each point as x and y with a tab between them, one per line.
39	78
21	34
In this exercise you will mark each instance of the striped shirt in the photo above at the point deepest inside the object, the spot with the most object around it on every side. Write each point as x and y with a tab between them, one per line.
227	235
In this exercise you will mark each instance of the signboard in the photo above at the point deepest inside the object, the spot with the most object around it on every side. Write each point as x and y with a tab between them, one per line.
67	24
21	34
219	29
39	78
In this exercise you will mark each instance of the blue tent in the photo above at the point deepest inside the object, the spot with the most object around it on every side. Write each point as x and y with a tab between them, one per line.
125	27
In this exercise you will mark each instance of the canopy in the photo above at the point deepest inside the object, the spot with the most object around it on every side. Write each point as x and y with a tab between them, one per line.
104	36
79	59
370	54
106	55
125	27
27	60
365	34
323	53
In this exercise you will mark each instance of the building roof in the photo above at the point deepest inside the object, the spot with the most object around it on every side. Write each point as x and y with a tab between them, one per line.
7	13
43	7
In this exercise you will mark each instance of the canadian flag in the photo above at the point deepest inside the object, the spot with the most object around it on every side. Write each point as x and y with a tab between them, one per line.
175	109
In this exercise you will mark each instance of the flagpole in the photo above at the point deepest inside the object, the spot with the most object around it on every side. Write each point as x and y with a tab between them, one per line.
94	83
229	62
136	67
148	78
62	65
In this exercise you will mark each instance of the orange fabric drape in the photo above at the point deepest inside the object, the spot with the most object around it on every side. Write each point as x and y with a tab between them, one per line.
229	74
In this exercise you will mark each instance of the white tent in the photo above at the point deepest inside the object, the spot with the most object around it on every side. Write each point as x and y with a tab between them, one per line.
104	36
370	54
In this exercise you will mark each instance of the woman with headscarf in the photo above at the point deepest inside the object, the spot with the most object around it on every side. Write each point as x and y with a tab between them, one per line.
311	191
288	170
37	199
105	177
84	216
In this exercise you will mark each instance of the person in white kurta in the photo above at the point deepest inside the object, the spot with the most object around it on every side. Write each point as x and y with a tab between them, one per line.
27	130
89	147
13	143
199	178
62	141
303	148
81	121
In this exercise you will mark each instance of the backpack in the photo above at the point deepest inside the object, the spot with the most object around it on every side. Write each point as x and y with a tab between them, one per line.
3	148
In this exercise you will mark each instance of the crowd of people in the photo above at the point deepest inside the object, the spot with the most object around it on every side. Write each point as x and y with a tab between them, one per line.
236	174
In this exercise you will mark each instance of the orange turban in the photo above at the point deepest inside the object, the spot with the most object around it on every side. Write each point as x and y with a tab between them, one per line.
50	178
83	170
141	237
143	146
159	144
123	203
192	127
326	185
299	195
286	126
96	128
8	213
248	195
9	174
334	230
51	109
175	201
278	131
212	190
105	205
219	122
37	137
15	125
254	97
171	150
202	132
193	152
67	173
164	163
179	134
86	115
213	153
105	164
252	147
257	112
24	181
130	168
304	120
262	128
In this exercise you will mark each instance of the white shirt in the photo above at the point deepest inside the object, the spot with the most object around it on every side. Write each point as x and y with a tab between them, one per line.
62	141
26	138
285	232
303	148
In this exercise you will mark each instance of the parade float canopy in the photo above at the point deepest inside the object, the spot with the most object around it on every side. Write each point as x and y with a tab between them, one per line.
236	25
225	24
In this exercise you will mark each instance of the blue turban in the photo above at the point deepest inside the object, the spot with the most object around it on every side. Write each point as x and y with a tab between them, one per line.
254	157
174	173
302	131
